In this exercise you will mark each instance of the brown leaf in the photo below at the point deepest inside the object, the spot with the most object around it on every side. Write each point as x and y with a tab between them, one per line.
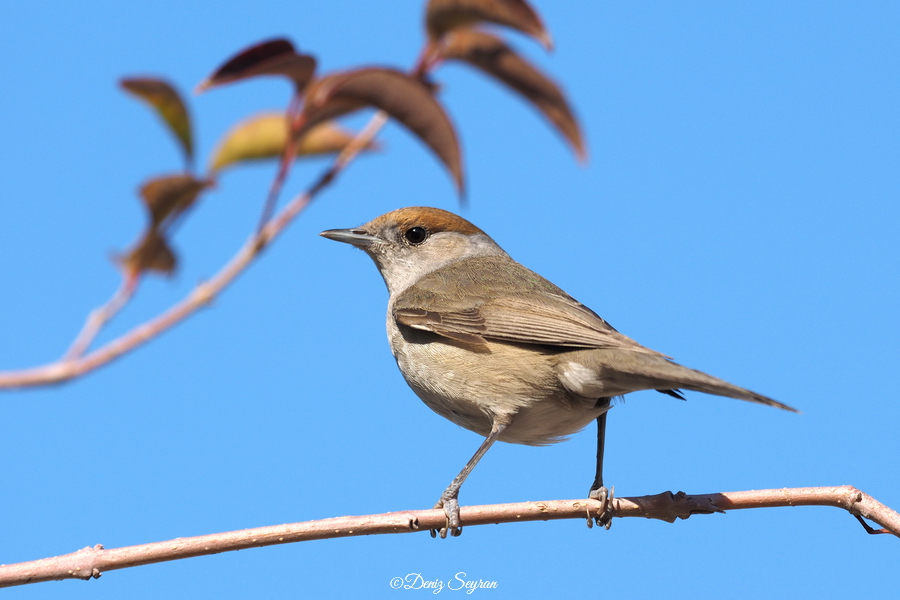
443	16
326	106
265	136
168	196
151	253
168	104
490	54
273	57
328	138
404	98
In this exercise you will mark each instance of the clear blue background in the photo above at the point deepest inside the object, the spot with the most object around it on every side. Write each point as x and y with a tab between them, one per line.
739	212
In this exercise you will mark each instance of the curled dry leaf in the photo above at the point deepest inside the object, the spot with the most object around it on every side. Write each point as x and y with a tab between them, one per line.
273	57
490	54
401	96
443	16
168	196
167	102
151	253
265	136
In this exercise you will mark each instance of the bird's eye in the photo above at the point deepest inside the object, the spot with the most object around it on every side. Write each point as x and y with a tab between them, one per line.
416	235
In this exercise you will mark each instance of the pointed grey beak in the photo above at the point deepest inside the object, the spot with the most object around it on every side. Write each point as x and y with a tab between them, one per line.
354	237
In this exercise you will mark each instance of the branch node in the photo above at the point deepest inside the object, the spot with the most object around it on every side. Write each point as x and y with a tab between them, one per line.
203	294
261	240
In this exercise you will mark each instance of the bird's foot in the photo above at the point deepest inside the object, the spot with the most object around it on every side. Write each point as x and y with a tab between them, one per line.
604	515
450	504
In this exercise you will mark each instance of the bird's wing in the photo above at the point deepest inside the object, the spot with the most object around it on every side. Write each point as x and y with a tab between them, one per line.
543	315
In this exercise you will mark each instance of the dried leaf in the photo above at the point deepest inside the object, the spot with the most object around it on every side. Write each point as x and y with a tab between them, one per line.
490	54
151	253
168	196
265	136
168	104
443	16
404	98
273	57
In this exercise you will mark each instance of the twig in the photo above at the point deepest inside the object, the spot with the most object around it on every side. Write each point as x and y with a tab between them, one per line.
74	364
91	562
100	316
284	163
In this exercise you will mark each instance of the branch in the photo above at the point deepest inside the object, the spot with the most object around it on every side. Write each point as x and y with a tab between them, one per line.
100	316
75	363
91	562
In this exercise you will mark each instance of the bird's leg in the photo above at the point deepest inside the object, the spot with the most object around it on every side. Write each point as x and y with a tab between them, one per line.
449	500
598	490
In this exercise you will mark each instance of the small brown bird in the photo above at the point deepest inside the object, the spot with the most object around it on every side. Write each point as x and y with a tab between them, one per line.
498	349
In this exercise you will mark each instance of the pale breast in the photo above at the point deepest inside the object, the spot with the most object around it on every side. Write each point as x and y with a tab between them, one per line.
470	387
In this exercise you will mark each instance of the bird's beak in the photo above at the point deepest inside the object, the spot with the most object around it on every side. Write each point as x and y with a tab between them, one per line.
354	237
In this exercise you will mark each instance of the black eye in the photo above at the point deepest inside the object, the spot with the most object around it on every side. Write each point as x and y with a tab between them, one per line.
416	235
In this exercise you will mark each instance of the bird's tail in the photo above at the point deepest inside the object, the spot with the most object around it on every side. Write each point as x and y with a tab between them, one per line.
663	375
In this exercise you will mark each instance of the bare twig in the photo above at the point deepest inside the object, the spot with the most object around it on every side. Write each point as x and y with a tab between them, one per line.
284	163
91	562
100	316
75	363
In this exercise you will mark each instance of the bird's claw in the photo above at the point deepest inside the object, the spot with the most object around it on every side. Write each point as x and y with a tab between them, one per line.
450	504
604	515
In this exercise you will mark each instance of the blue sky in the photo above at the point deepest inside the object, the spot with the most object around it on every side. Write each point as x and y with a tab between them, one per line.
739	212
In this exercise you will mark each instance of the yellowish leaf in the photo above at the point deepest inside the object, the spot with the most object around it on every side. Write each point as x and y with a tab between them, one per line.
265	135
167	102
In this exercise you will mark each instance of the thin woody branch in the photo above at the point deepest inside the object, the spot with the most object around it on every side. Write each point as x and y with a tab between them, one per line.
91	562
74	364
100	316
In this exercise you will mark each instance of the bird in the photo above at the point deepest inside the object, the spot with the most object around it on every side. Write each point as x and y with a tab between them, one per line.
501	351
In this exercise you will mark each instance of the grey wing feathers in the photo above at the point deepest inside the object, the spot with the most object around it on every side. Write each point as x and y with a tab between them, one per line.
465	326
554	321
543	315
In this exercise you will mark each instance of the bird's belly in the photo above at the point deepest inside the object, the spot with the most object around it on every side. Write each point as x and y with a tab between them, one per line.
471	388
